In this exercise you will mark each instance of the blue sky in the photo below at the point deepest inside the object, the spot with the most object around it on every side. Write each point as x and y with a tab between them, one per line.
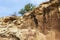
8	7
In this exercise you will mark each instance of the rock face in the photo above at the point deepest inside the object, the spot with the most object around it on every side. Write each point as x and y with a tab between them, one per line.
43	23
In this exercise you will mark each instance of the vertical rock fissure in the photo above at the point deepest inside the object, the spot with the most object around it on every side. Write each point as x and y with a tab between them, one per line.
44	21
35	19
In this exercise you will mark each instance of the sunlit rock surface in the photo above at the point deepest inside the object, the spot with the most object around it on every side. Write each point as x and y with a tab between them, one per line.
42	23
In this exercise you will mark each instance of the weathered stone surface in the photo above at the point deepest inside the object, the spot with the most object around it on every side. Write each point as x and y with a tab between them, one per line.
43	23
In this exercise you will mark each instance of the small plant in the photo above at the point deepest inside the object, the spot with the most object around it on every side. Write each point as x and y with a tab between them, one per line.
27	8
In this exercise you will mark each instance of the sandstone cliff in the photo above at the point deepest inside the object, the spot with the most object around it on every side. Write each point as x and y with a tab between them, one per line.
42	23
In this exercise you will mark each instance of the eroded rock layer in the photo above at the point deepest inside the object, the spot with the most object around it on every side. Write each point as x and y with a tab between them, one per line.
43	23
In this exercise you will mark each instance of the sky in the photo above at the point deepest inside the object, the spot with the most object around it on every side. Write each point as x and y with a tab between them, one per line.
8	7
